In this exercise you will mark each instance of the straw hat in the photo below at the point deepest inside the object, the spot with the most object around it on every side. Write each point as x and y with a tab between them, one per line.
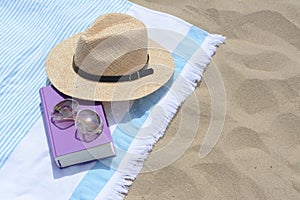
113	60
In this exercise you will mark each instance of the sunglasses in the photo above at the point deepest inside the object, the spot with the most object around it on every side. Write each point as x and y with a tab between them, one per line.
88	123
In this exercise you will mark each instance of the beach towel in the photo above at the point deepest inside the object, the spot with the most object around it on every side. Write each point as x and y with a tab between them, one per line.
29	29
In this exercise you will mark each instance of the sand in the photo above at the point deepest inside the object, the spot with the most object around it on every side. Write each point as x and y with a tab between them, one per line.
258	153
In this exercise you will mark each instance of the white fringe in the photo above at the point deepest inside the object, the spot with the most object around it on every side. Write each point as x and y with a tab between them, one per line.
171	102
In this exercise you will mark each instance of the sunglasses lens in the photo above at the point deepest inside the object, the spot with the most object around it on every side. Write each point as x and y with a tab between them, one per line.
64	113
65	110
89	125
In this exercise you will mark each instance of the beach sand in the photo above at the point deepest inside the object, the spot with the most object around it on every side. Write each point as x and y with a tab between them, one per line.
258	153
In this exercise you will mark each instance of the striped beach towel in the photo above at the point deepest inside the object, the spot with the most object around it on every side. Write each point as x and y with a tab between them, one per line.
29	29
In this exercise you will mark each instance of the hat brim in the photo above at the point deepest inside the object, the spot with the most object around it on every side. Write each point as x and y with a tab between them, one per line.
63	77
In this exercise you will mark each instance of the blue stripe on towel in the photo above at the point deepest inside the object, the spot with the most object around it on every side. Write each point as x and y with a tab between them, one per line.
191	43
29	30
96	178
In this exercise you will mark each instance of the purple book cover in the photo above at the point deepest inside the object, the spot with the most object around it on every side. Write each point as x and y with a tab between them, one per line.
64	141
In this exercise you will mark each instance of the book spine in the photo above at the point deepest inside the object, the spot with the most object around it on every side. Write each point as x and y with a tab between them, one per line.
47	123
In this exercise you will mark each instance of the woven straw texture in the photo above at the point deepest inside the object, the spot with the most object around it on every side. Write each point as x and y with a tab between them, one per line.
115	45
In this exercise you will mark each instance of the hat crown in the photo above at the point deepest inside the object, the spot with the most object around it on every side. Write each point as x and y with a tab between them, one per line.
116	44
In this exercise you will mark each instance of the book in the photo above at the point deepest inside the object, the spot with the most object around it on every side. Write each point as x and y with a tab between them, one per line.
66	147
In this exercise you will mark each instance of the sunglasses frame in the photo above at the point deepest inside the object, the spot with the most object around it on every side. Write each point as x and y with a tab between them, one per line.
79	135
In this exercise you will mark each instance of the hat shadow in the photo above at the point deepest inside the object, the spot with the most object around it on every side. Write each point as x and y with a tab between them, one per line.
137	108
48	82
